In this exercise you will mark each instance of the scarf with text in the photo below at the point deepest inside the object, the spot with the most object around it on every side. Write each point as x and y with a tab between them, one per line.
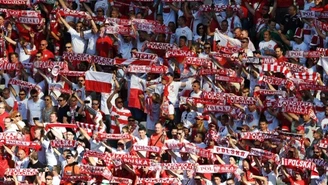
223	72
300	164
24	84
147	69
63	143
218	8
230	151
158	180
205	62
15	2
276	81
105	136
223	168
269	92
159	46
179	53
74	13
92	170
21	172
144	55
28	144
217	108
55	125
303	54
72	73
229	79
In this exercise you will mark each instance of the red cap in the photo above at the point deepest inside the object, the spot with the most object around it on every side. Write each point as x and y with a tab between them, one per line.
300	128
285	128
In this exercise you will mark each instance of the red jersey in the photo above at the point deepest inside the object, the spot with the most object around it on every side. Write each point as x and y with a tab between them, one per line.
104	45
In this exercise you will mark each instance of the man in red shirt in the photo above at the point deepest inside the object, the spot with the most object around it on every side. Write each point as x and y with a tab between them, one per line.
159	137
280	55
104	44
3	115
46	54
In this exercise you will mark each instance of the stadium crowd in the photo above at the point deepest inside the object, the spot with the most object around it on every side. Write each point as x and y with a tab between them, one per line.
191	92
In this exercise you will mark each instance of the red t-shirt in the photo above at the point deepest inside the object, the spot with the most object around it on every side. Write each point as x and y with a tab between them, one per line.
4	165
103	45
295	182
46	54
2	120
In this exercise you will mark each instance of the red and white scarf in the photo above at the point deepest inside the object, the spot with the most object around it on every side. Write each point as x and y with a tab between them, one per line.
206	62
15	2
294	68
104	136
154	149
306	76
269	92
312	87
77	56
27	144
276	81
223	168
147	69
159	46
55	125
230	151
119	29
218	108
157	28
277	68
224	72
264	153
218	8
49	64
178	53
158	180
63	143
92	170
303	54
9	66
88	126
74	13
300	164
21	172
241	100
24	84
143	55
72	73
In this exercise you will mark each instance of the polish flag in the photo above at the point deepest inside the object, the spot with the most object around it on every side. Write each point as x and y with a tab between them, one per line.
136	88
98	81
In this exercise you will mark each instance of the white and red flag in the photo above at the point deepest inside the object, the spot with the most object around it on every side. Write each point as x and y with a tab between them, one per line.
98	81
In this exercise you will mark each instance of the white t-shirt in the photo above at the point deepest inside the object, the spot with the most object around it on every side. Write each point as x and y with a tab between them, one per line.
324	125
173	92
49	152
252	118
22	108
92	39
300	47
11	102
142	142
267	45
185	31
20	164
77	42
35	109
80	92
124	48
23	58
168	17
188	118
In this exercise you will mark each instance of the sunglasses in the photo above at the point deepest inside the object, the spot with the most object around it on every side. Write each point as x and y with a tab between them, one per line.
95	104
21	94
35	96
60	100
18	115
38	56
47	99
